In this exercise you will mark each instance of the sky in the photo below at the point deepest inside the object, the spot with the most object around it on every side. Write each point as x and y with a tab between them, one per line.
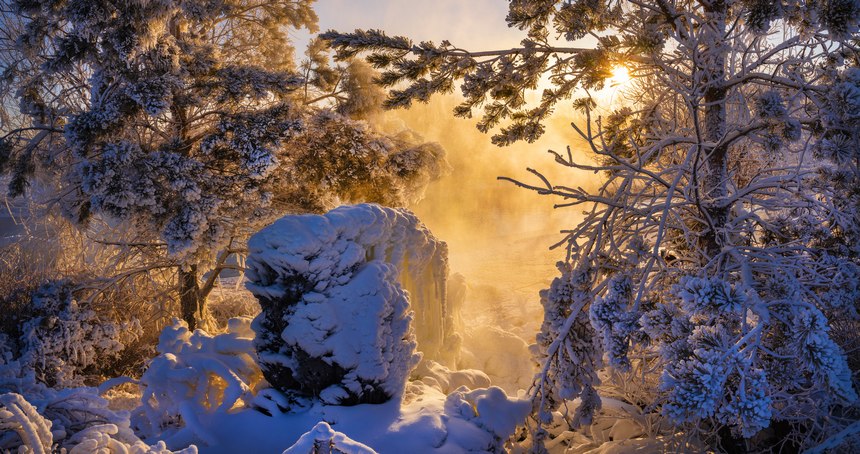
466	23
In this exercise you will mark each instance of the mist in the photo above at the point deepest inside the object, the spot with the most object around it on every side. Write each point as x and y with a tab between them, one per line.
497	233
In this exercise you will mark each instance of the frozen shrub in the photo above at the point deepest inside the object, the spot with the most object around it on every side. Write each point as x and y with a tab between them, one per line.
609	316
196	374
22	425
732	359
233	304
568	347
336	320
819	355
322	439
75	420
66	343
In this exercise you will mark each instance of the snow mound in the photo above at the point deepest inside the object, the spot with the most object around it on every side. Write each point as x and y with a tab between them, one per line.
339	293
323	439
426	421
502	355
482	420
440	377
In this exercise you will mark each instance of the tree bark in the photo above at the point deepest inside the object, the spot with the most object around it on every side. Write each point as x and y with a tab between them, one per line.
714	181
189	296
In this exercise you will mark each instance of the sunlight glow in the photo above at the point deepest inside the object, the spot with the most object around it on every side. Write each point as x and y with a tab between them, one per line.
620	76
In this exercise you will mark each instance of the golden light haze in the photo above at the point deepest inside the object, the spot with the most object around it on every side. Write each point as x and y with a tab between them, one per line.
497	233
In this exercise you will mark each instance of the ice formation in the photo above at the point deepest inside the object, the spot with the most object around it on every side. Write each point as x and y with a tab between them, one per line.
340	293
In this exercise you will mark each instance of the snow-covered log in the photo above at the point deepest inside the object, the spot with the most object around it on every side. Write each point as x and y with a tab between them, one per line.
344	298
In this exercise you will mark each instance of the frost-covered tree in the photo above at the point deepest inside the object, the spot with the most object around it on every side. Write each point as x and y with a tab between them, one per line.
721	249
184	124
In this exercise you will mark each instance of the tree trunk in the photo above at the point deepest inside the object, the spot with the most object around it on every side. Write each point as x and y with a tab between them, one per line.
189	296
714	181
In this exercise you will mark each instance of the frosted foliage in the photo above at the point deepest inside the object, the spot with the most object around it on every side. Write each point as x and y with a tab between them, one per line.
568	347
609	316
771	105
695	384
340	295
322	439
64	342
710	384
75	421
845	289
707	342
197	374
749	407
707	299
841	117
192	86
18	417
818	353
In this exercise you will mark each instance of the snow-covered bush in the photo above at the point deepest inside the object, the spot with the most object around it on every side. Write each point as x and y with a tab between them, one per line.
19	419
322	439
339	295
75	420
738	360
195	375
63	342
567	333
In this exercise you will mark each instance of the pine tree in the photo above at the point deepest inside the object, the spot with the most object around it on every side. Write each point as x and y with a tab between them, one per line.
728	215
188	123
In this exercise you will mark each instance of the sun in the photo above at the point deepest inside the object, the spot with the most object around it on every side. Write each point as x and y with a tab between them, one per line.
620	76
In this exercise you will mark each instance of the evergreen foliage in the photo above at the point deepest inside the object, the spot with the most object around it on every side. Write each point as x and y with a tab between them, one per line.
188	123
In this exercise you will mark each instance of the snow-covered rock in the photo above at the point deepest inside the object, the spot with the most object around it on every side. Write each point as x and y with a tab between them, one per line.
502	355
348	299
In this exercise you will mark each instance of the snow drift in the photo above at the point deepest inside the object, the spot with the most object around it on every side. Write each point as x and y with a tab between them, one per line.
339	294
